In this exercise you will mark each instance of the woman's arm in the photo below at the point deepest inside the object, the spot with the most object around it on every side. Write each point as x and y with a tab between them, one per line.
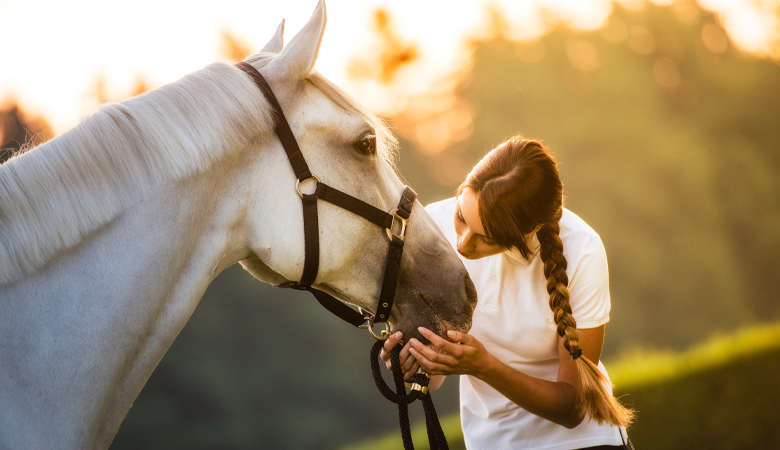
553	400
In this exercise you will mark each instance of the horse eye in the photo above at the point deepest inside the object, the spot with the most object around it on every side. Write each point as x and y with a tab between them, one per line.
367	145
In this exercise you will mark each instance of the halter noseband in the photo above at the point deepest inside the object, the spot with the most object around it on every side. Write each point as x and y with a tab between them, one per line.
348	202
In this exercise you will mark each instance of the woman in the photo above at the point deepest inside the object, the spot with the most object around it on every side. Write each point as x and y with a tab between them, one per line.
532	375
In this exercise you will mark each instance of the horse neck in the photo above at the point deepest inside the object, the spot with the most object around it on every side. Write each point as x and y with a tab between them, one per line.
88	330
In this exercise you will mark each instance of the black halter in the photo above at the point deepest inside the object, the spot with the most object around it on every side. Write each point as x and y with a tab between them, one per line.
385	220
348	202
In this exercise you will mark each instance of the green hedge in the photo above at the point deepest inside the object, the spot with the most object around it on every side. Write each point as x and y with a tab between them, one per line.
718	395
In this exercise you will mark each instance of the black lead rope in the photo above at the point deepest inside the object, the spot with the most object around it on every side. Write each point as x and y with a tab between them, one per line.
436	439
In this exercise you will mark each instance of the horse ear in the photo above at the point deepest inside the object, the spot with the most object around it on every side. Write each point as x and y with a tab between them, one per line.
297	59
277	41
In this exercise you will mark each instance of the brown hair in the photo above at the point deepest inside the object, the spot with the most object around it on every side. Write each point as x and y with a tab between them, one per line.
518	189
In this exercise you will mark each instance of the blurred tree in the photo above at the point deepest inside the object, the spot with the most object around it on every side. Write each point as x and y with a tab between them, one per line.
19	130
101	95
386	56
233	48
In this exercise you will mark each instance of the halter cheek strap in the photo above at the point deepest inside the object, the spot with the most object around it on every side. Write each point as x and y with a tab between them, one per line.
343	200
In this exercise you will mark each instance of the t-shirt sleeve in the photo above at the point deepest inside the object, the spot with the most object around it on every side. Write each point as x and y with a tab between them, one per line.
589	285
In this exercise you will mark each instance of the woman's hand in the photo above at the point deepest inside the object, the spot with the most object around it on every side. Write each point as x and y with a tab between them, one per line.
409	365
465	355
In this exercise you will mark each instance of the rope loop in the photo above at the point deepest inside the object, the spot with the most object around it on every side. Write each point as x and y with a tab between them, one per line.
398	399
436	438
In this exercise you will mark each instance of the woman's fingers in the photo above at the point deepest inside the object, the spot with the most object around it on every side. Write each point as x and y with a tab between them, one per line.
435	368
440	360
391	342
439	342
407	360
409	374
426	354
462	354
388	346
461	337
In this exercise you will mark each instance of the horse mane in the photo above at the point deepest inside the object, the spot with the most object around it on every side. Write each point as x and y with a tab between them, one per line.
55	194
52	196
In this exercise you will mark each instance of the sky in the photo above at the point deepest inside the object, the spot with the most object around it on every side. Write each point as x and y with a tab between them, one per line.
60	49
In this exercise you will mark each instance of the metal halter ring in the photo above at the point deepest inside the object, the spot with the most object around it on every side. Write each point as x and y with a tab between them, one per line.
298	184
402	234
384	333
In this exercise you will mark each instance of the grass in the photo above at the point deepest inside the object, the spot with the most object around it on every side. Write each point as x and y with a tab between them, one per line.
450	424
720	394
647	367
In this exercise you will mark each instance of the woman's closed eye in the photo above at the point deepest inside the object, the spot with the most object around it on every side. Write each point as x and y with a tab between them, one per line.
485	239
488	241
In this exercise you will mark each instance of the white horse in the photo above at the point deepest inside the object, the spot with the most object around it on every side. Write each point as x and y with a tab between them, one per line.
111	232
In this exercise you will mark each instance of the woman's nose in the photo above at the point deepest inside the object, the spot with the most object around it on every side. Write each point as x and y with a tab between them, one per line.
465	242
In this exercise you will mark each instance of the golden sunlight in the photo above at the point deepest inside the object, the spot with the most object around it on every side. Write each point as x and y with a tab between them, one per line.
62	53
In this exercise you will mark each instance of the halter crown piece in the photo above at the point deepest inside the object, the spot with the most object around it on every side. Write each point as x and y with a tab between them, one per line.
348	202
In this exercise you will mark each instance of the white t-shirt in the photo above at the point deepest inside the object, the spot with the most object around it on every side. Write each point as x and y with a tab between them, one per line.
514	321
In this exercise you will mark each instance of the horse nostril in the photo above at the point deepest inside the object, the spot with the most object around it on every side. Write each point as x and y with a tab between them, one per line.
471	292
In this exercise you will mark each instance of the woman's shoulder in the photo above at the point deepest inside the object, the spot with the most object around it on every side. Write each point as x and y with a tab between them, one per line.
588	271
441	207
577	236
441	212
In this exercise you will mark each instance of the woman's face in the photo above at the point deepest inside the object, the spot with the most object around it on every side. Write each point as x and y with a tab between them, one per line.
473	243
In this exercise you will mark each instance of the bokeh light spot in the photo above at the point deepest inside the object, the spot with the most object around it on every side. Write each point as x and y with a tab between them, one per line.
641	40
666	73
582	54
714	38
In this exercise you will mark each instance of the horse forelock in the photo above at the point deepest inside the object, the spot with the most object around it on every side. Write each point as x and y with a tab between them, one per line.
55	194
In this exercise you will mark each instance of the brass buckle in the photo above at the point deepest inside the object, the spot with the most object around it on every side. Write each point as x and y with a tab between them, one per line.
298	184
384	333
418	387
402	234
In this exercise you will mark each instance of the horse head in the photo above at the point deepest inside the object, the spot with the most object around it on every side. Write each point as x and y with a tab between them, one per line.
347	148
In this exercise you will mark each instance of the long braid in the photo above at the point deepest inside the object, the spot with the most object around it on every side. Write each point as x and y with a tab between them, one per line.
595	400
